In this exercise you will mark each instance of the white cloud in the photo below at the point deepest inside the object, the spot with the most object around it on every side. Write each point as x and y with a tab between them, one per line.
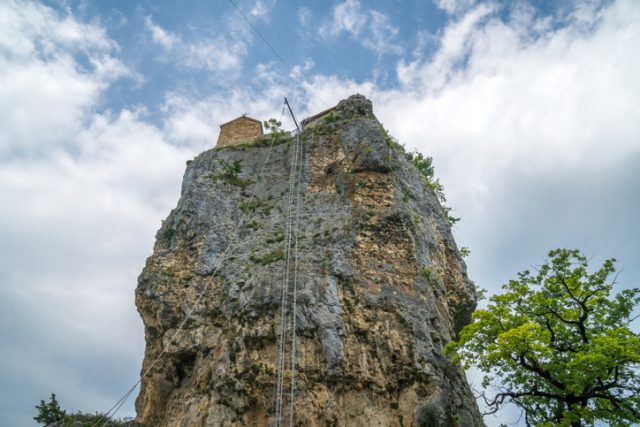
305	29
28	30
304	15
347	17
454	6
214	53
161	36
455	44
561	93
381	35
41	104
80	225
222	51
259	10
189	122
372	29
326	91
46	92
298	71
84	192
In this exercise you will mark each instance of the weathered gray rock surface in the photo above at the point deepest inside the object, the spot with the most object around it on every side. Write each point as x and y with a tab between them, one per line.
382	288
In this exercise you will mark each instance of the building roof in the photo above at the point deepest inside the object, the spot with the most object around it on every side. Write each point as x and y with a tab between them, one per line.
307	120
244	116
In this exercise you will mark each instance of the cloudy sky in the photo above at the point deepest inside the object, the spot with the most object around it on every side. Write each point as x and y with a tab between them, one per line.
529	109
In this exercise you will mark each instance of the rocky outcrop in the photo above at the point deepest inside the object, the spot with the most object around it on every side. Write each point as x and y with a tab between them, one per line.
381	288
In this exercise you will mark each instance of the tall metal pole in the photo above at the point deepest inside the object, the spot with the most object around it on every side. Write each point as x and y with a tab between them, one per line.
292	116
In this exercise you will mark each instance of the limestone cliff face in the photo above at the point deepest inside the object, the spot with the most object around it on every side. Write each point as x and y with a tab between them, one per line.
381	289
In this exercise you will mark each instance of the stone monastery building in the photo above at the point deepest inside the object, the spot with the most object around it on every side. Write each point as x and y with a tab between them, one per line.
239	131
245	129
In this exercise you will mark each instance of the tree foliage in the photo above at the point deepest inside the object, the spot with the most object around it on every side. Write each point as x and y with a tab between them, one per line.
276	132
559	345
49	412
273	125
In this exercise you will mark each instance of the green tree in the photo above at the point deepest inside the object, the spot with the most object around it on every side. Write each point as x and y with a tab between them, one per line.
49	412
277	133
559	345
273	125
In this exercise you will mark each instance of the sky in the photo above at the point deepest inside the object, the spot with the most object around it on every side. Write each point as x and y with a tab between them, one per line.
530	110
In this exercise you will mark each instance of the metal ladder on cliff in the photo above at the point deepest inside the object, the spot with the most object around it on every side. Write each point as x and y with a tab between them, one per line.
225	254
293	215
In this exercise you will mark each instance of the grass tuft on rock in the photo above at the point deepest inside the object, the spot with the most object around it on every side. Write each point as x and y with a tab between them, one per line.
268	258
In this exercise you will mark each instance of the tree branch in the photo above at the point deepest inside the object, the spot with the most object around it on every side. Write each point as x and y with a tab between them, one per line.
619	404
583	307
555	313
535	368
554	343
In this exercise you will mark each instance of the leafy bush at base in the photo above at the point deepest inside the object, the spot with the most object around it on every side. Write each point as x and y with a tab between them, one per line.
52	415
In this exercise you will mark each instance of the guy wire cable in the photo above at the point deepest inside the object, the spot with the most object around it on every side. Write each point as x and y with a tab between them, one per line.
295	287
116	407
275	52
280	366
294	183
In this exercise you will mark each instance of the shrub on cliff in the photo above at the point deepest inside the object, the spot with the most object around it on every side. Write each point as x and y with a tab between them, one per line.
424	165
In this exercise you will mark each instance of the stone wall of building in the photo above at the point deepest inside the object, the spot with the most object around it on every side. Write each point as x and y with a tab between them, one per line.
241	130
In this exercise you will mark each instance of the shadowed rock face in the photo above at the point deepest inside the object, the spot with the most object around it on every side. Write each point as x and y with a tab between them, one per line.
382	289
